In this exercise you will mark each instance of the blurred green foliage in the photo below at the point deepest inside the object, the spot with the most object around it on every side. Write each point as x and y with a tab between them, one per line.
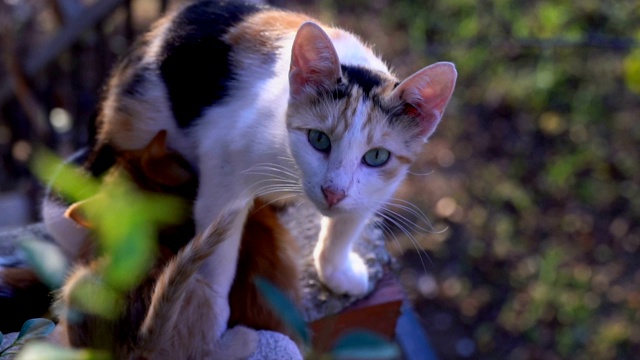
124	222
124	219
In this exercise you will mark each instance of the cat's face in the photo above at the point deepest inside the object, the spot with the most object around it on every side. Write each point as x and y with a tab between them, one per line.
351	153
354	131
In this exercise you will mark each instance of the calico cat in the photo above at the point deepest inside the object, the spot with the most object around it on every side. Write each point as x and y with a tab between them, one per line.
272	104
148	327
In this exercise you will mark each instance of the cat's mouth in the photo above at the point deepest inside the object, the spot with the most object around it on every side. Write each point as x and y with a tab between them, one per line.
330	210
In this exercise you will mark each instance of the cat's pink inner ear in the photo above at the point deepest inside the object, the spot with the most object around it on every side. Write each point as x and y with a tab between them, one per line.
76	213
426	94
314	61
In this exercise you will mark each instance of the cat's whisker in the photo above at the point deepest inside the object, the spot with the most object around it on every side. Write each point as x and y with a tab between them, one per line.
277	181
272	175
274	181
421	174
412	239
276	188
414	242
409	207
275	167
275	200
287	158
389	212
410	224
415	211
388	233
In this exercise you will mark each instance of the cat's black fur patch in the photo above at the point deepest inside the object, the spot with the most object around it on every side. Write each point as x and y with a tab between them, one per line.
366	79
194	62
134	87
101	159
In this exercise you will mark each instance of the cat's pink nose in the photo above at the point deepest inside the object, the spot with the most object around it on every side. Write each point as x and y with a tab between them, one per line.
333	196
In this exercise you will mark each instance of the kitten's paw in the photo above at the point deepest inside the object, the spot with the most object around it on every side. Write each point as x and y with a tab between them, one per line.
238	343
275	346
349	277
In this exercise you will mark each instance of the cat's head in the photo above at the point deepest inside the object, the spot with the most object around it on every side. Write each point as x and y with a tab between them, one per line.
153	169
355	131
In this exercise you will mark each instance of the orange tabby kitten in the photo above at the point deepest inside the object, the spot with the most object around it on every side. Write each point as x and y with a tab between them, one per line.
149	326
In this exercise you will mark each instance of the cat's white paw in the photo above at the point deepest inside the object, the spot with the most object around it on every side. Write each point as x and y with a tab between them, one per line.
350	277
275	346
238	343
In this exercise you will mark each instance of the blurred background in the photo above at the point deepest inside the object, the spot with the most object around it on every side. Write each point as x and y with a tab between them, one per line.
531	183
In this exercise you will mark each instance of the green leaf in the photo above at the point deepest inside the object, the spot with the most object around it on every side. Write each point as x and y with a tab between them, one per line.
284	307
65	178
365	345
47	260
130	258
91	295
46	351
1	339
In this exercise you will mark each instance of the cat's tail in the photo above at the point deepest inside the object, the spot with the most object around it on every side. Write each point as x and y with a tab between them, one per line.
174	280
83	328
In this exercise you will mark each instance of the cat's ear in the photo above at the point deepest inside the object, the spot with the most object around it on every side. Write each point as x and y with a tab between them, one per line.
157	147
426	93
163	165
314	60
76	213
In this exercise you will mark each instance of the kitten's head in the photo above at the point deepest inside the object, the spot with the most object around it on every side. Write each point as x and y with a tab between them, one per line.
355	131
153	169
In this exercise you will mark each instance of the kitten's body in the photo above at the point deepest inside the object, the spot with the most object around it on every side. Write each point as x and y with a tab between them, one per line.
250	96
177	321
169	315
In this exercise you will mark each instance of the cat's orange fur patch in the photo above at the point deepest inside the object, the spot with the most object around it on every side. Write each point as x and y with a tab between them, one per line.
268	251
262	30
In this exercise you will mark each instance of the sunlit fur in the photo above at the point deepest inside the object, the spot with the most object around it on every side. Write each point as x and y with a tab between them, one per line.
288	74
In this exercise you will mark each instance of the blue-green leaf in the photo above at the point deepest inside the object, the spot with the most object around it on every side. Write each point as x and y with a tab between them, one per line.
365	345
35	328
31	329
5	351
47	260
284	308
1	339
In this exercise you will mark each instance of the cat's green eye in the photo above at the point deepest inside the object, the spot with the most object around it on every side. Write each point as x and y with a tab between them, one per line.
319	140
376	157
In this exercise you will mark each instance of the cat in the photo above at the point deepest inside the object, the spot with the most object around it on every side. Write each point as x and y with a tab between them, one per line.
177	321
272	104
148	328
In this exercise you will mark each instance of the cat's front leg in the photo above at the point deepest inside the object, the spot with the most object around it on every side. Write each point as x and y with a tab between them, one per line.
342	270
219	268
